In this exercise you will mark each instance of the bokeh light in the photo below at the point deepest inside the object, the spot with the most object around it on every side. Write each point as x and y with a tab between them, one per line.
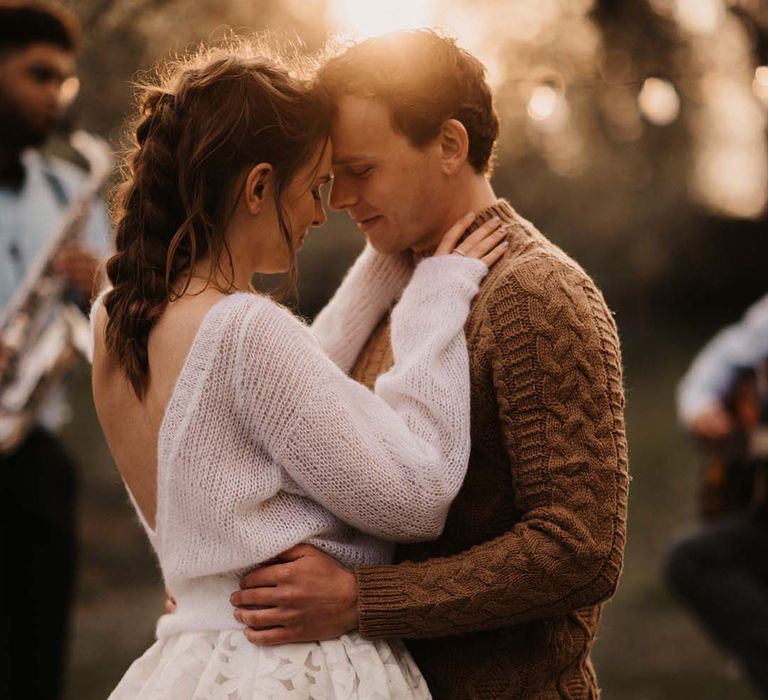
548	107
760	83
658	101
699	16
543	102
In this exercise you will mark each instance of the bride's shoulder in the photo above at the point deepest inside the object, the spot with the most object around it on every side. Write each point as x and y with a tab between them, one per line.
261	335
258	313
246	324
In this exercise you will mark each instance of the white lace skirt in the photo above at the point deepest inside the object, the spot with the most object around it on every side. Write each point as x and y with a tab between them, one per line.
225	666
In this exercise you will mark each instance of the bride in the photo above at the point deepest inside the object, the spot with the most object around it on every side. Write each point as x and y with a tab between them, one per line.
234	426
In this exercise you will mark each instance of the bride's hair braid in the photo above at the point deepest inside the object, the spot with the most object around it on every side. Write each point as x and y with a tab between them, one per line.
211	117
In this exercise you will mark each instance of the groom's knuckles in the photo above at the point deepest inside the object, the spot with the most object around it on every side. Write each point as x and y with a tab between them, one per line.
257	577
248	596
283	574
272	575
258	618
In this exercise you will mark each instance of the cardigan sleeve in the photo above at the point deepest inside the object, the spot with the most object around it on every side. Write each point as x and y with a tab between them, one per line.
390	462
368	291
557	378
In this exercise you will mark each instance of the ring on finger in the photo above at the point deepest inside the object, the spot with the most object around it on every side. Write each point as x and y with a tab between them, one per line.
459	251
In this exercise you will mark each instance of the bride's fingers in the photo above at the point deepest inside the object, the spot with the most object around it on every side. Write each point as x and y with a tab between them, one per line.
454	234
491	258
486	244
477	236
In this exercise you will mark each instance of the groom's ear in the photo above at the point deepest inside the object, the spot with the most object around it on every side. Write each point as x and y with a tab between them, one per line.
257	184
454	145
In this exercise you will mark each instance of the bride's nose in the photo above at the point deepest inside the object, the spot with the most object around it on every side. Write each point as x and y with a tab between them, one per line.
320	215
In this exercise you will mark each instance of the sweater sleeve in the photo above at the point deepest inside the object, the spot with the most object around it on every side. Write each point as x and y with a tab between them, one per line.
390	462
557	377
368	291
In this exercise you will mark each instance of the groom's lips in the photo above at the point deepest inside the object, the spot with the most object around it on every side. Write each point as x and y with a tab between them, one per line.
366	224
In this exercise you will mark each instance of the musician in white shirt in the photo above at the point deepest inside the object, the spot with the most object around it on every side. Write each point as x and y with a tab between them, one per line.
720	572
37	489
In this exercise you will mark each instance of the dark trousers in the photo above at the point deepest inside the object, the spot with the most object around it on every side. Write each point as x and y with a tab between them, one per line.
721	574
37	564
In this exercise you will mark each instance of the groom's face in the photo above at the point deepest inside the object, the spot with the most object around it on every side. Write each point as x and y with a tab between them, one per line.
394	191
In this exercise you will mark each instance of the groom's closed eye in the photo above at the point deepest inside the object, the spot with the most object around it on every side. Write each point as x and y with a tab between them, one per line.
360	172
353	167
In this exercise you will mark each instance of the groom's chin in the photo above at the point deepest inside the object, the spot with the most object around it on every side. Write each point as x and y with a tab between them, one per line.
384	244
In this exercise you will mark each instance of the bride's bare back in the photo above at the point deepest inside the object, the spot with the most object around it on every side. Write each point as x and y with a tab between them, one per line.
130	425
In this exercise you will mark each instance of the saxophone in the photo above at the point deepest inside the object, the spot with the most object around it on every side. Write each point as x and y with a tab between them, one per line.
40	331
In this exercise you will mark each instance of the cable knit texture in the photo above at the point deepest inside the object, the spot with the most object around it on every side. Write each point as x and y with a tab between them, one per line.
266	443
506	602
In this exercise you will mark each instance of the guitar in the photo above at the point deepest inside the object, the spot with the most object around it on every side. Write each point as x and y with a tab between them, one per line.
735	477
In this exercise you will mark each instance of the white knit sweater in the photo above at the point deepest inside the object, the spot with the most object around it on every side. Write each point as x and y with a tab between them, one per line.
267	443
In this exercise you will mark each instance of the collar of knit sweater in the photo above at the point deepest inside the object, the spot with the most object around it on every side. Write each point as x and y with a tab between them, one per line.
501	208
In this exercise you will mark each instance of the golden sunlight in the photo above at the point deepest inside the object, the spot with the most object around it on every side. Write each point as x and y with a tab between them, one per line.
363	19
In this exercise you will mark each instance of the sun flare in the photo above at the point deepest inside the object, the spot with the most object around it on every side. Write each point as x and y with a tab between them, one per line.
363	19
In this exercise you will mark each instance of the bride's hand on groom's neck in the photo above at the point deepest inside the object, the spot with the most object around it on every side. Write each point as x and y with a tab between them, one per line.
304	596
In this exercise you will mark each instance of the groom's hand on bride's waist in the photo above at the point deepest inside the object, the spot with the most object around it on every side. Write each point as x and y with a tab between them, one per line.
305	595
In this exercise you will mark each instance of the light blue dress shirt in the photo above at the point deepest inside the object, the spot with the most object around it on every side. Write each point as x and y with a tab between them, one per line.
740	346
28	218
31	215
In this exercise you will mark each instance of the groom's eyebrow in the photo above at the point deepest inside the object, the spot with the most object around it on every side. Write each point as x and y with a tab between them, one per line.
350	160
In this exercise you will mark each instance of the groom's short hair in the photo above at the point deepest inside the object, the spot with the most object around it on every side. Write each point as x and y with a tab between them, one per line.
424	79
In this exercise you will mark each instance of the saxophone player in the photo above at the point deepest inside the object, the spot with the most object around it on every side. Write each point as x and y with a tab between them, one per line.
38	44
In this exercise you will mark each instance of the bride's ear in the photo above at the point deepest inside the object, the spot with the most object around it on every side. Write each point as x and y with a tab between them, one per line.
258	184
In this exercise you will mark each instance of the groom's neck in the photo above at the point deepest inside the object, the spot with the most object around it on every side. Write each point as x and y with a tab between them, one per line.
475	194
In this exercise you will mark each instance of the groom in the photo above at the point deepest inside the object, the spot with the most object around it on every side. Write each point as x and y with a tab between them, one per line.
506	602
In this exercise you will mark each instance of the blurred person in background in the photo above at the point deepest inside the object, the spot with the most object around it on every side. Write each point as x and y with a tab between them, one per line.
721	571
38	43
506	602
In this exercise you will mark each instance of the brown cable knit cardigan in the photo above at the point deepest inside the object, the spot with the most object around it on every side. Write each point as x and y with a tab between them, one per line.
505	603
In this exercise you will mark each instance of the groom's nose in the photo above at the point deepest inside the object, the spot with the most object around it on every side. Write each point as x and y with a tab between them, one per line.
342	195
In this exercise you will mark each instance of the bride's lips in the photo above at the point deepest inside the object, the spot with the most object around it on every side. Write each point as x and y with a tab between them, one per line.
366	224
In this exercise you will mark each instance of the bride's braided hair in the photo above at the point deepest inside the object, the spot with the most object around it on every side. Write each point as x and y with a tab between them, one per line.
199	127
